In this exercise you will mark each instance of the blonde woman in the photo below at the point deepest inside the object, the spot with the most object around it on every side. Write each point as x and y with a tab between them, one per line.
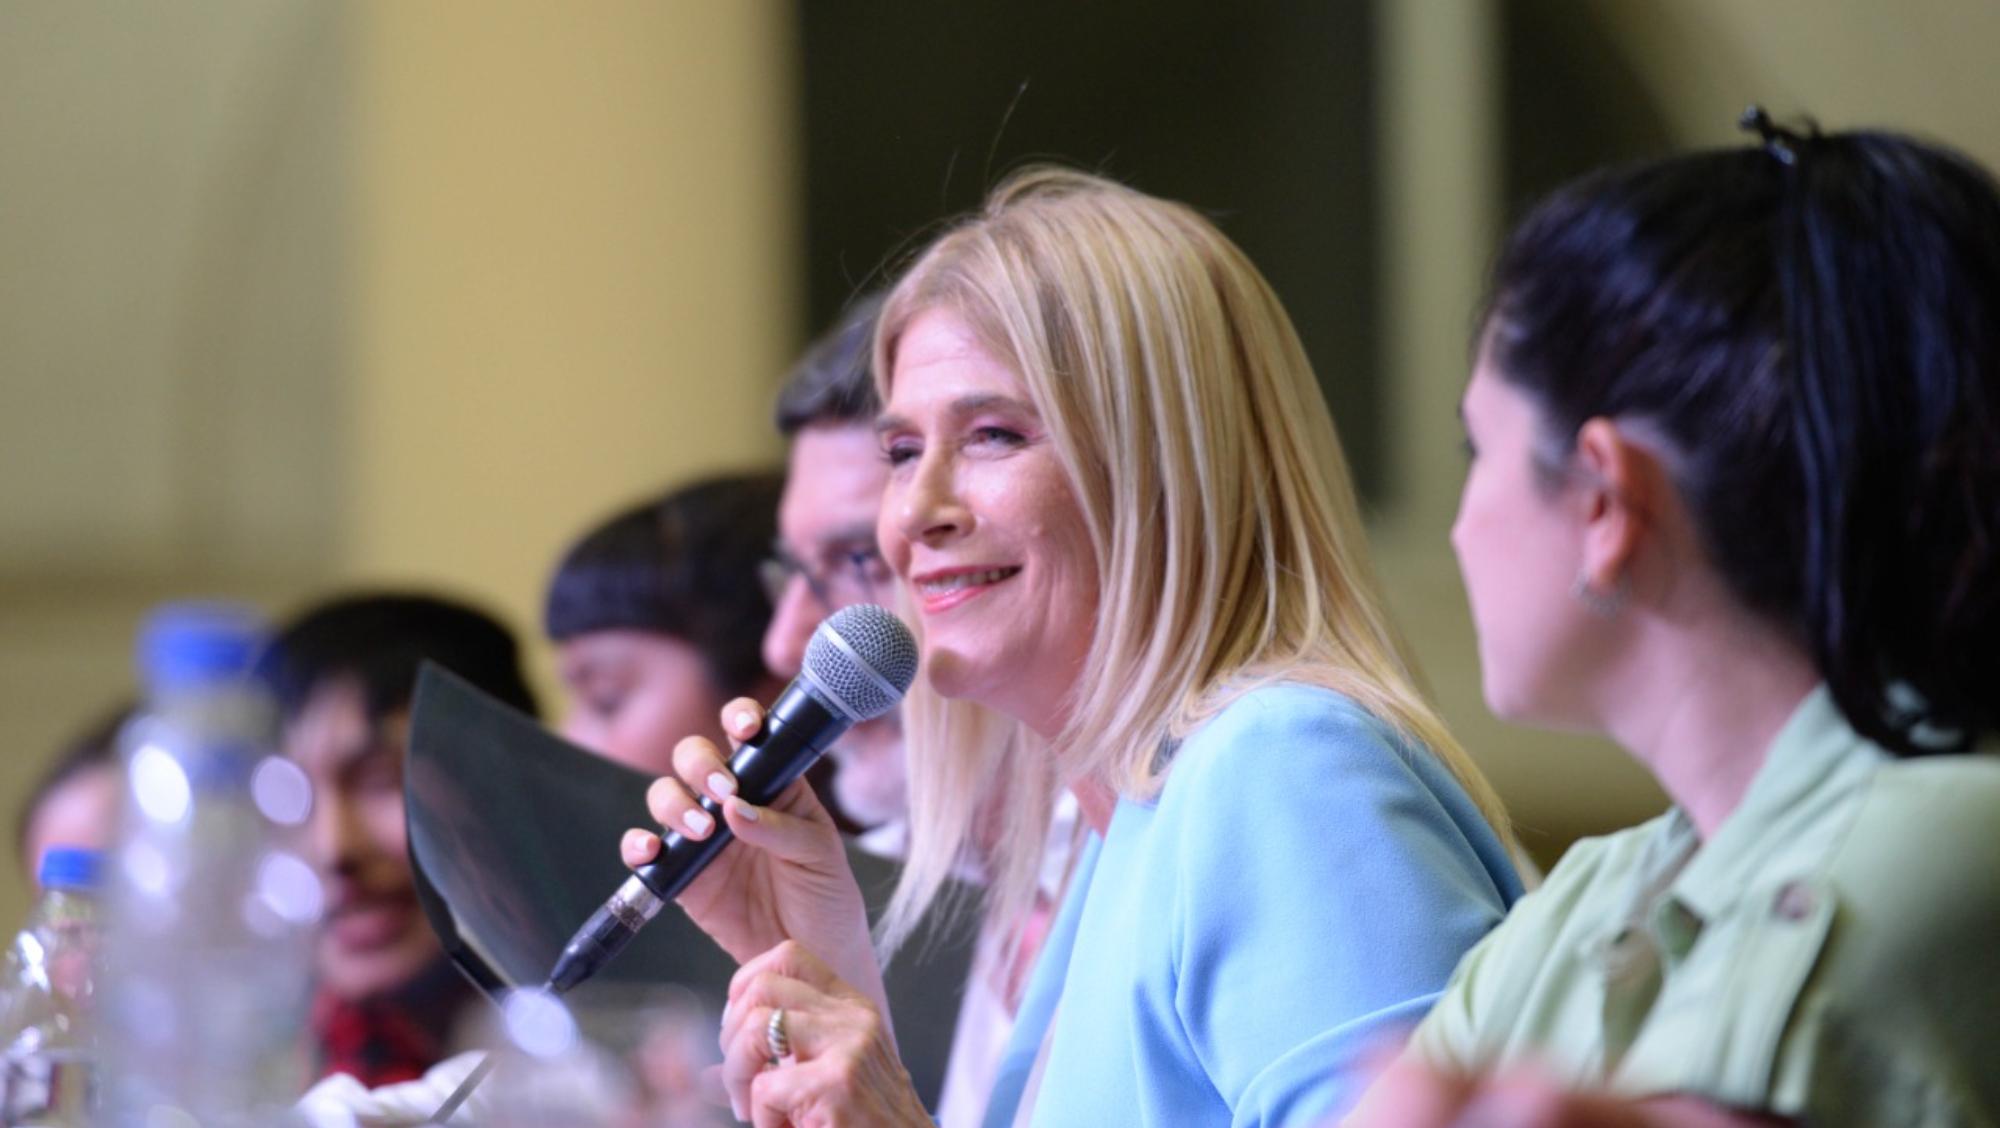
1124	531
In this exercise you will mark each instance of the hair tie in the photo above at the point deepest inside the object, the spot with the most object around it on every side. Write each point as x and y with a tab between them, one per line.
1782	143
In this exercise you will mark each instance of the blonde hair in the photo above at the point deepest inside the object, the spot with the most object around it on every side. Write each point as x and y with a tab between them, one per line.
1229	545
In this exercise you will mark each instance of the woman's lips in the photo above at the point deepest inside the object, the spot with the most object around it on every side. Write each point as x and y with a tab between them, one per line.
943	590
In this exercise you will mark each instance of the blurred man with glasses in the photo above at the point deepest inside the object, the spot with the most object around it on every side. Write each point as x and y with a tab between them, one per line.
825	556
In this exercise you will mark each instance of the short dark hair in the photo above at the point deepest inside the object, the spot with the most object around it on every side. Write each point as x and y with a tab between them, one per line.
379	639
95	747
832	383
682	564
1814	327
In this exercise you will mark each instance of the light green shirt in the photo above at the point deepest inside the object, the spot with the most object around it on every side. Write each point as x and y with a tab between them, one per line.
1832	953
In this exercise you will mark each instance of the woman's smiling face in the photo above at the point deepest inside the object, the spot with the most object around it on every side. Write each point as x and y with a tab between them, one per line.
980	521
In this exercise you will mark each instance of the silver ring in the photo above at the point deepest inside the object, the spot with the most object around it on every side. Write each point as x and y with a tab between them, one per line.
777	1042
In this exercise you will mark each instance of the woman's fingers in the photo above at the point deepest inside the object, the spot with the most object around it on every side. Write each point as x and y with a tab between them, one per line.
752	1010
785	834
746	1051
850	1081
741	719
789	960
744	1056
776	1094
813	999
701	768
1409	1094
638	847
676	809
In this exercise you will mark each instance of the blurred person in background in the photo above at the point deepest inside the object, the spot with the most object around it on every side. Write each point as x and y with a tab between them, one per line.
658	618
824	556
1734	501
343	672
78	797
1117	501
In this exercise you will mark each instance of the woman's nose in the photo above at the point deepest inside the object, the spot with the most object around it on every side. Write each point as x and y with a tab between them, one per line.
931	510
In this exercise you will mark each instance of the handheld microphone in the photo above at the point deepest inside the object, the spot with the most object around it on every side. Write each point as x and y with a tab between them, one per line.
858	664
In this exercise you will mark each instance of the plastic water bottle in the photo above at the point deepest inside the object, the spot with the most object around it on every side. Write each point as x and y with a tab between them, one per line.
47	1024
209	913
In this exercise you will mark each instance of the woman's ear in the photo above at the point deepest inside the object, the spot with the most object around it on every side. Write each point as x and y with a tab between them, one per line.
1618	484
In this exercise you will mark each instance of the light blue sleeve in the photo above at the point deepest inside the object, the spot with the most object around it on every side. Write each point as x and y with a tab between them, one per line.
1330	879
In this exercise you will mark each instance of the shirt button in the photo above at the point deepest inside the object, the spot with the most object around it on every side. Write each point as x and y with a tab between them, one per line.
1796	901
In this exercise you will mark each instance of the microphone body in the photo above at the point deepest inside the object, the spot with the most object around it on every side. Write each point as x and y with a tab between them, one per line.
797	729
857	666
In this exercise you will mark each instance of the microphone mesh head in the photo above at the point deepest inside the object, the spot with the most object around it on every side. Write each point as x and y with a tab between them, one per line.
864	657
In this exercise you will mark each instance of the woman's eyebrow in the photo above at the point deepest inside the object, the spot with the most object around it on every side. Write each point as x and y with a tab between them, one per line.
962	406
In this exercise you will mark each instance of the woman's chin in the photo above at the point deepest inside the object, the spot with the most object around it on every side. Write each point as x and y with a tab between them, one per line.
1505	701
955	675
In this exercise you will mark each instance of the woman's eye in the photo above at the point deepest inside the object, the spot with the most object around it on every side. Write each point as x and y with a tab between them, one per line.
998	436
895	454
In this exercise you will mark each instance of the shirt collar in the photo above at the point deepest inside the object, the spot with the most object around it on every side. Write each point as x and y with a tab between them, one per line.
1815	760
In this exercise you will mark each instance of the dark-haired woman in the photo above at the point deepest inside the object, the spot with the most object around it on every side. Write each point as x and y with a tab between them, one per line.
1735	500
658	617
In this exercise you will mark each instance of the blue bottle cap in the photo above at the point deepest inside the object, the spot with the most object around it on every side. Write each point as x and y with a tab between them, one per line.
185	644
68	867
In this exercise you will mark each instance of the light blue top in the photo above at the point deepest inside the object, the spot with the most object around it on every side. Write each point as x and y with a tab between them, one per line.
1235	952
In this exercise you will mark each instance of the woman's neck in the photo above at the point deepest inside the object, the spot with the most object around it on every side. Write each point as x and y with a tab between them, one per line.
1096	801
1702	710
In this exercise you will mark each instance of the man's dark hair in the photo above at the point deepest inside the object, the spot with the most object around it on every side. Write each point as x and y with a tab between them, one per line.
832	383
378	640
683	564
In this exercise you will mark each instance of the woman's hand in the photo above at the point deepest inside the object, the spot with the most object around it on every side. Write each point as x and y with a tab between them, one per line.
843	1068
788	878
1409	1095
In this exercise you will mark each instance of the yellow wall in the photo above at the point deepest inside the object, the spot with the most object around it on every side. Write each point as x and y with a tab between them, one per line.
575	273
296	293
1923	66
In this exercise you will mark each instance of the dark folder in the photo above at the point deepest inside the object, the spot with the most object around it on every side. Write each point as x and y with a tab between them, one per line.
514	839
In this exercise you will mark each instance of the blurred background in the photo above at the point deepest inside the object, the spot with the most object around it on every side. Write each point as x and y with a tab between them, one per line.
296	293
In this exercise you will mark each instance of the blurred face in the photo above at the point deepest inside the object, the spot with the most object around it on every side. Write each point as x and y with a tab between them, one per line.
826	526
374	939
1520	547
634	694
80	811
979	521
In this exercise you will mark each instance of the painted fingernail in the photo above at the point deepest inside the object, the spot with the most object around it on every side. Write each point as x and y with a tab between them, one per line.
721	784
736	1109
698	821
743	719
637	841
746	810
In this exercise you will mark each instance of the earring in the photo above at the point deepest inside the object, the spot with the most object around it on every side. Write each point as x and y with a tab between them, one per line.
1605	604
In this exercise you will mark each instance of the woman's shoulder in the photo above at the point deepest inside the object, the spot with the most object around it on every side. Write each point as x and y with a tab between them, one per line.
1918	867
1303	727
1310	755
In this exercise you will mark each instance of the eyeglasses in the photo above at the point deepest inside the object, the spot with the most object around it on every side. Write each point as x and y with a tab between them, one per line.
851	574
